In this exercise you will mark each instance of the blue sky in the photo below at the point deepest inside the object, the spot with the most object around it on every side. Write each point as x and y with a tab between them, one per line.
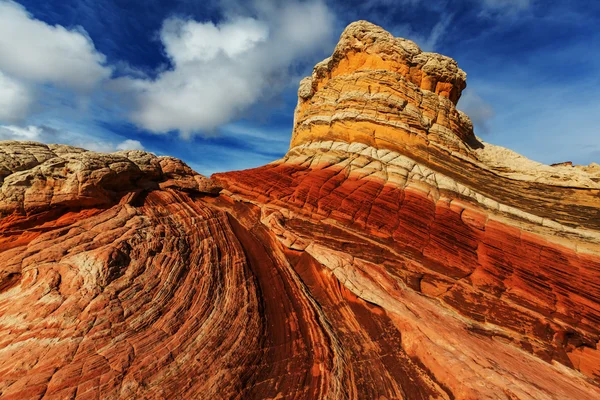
214	82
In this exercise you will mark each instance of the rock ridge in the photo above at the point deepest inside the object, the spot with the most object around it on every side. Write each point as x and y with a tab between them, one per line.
34	176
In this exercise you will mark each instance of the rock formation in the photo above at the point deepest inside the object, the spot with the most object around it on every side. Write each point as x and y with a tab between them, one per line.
390	254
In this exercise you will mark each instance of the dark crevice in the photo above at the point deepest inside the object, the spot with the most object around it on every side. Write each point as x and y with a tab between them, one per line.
9	281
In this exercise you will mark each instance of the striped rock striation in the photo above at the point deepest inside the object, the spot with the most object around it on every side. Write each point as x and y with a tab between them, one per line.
390	254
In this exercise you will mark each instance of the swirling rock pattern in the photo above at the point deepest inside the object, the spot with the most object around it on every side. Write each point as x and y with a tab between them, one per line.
390	254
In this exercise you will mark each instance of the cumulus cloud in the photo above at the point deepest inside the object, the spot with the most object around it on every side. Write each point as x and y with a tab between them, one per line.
130	144
46	134
15	99
190	41
37	52
480	111
219	70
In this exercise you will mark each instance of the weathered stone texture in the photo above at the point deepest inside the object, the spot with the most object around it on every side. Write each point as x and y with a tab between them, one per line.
390	254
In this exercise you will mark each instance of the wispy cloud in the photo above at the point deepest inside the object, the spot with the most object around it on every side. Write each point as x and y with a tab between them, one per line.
48	134
490	8
429	41
508	4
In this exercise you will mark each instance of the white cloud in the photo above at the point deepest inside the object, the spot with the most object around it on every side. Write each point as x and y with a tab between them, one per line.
10	132
220	70
34	51
190	41
130	145
15	99
46	134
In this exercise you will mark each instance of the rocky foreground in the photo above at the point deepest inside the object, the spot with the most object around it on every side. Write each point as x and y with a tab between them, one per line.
390	254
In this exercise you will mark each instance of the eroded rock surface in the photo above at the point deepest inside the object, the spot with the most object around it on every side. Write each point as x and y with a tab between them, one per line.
390	254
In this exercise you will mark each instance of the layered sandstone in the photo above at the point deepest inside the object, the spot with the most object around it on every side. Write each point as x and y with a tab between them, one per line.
376	90
390	254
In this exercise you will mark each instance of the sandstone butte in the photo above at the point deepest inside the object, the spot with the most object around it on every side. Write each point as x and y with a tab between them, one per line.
389	254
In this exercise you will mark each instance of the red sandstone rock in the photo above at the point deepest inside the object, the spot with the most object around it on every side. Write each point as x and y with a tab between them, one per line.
408	262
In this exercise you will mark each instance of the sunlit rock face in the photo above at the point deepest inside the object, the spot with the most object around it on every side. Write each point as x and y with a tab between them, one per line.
390	254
